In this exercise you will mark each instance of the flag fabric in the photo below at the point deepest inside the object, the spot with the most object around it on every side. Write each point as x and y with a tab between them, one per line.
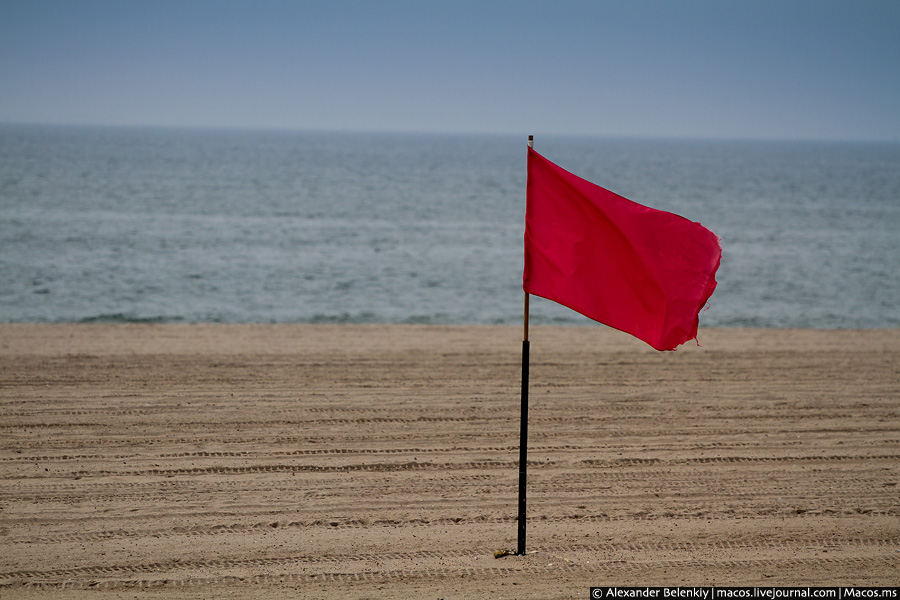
643	271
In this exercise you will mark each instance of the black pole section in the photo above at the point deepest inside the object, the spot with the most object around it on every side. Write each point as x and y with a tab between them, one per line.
523	449
523	431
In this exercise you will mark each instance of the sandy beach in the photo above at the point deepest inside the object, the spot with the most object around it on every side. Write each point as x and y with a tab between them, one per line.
345	461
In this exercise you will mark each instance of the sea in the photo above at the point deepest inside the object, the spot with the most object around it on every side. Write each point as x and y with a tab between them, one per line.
230	226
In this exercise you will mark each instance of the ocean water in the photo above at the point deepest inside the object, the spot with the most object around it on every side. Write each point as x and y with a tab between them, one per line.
157	225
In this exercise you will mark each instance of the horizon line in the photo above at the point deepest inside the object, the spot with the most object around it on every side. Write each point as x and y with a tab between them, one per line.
443	132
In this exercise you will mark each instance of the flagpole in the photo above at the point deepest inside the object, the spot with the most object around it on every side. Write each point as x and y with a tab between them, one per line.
523	431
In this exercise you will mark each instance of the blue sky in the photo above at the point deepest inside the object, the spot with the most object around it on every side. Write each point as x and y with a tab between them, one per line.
785	69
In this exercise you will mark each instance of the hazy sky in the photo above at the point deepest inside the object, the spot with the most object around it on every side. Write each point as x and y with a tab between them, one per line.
809	69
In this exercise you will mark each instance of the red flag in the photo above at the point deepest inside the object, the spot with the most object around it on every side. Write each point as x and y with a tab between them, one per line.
640	270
